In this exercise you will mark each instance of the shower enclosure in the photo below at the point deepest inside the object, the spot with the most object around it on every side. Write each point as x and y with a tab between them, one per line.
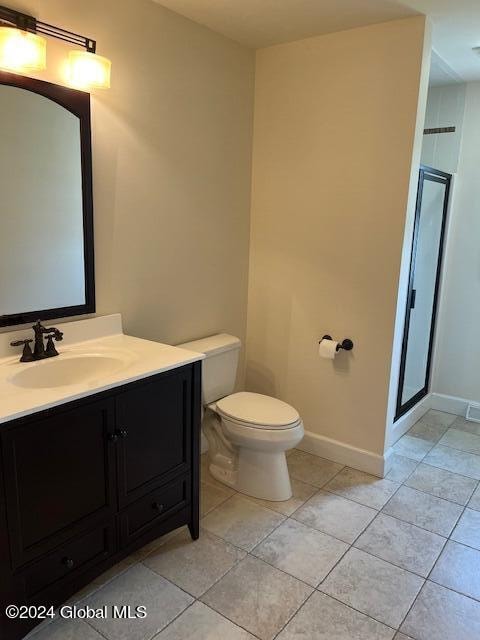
422	299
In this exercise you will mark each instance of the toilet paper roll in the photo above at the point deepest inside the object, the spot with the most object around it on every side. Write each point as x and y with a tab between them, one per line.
327	349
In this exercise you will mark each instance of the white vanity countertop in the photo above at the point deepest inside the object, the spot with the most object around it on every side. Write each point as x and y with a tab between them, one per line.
100	363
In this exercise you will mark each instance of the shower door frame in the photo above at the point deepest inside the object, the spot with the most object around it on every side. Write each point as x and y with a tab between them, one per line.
434	175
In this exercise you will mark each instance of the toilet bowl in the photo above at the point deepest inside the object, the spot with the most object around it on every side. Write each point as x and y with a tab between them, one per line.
248	434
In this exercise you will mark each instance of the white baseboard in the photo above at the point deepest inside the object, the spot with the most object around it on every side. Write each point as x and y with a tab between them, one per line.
406	422
343	453
450	404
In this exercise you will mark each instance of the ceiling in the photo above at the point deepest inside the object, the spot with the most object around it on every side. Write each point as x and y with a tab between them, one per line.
456	30
441	74
261	23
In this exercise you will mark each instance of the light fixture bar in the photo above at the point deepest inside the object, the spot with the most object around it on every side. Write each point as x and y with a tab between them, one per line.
10	17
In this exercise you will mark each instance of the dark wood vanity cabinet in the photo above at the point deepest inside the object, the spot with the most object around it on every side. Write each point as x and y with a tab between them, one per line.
88	482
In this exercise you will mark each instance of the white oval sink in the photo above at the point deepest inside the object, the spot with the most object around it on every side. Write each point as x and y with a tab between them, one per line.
61	372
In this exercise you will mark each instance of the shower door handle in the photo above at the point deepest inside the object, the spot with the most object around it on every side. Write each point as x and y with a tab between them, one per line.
413	297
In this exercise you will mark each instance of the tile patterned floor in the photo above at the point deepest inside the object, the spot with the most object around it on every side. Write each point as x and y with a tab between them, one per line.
349	557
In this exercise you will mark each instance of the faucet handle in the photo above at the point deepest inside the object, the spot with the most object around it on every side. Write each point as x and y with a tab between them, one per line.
50	351
53	332
27	355
18	343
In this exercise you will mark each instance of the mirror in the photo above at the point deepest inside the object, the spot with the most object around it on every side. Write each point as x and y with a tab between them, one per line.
46	236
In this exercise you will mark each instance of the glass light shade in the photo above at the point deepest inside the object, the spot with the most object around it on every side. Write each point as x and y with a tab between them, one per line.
22	50
88	70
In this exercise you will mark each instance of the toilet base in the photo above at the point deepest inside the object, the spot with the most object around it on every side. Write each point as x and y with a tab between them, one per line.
264	475
225	476
259	474
251	460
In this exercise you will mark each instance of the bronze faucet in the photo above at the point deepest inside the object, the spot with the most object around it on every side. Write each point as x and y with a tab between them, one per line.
39	350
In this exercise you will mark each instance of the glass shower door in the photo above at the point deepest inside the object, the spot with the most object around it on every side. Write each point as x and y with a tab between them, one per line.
425	268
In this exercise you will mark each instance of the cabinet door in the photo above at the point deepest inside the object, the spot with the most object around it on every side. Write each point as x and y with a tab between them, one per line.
59	477
155	420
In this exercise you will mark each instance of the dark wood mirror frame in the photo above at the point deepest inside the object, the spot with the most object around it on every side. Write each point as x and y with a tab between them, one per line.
78	103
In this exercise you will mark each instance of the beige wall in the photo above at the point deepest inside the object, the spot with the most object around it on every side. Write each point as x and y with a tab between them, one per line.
172	166
335	120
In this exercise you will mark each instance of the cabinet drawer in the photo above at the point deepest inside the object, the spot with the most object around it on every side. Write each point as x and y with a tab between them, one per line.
70	559
153	508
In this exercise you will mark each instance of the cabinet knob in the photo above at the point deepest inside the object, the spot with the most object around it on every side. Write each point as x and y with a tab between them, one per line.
68	562
113	437
158	507
123	433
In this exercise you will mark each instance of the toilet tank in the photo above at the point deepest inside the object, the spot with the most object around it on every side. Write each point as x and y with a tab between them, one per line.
219	369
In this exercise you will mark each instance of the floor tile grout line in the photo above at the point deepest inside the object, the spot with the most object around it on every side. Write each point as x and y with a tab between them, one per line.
292	516
104	584
197	600
417	525
378	511
157	633
436	466
281	570
437	443
347	550
412	605
236	563
429	581
460	593
250	554
224	615
445	540
217	505
444	546
322	487
350	546
254	500
326	532
409	475
161	576
440	497
100	633
424	579
414	524
345	604
295	614
449	446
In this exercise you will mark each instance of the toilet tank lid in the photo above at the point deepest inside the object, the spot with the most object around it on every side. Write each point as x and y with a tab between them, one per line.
213	345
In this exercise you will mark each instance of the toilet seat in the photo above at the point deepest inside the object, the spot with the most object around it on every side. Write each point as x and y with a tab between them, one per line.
255	410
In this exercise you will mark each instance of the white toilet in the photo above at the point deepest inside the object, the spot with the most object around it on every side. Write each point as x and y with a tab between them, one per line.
247	433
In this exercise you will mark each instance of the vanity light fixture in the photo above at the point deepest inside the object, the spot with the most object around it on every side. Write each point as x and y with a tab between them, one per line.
23	49
87	69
